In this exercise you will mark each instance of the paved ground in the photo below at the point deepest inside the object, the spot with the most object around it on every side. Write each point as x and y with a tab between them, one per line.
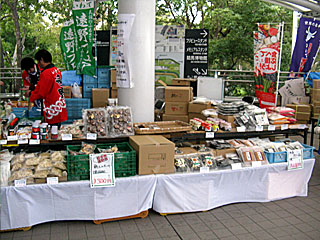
294	218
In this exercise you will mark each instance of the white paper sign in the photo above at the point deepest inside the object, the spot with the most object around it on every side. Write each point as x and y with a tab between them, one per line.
302	126
66	137
102	170
271	127
3	142
209	134
52	180
204	169
295	159
256	164
284	127
241	129
91	136
235	166
23	141
12	138
259	128
34	141
20	182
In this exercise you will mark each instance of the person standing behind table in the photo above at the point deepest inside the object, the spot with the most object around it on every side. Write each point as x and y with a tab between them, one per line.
49	88
31	73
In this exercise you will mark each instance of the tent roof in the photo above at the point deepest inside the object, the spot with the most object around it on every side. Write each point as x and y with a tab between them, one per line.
306	7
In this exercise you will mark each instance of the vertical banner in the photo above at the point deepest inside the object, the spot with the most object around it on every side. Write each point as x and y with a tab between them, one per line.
83	16
196	53
102	170
266	55
306	47
68	44
123	65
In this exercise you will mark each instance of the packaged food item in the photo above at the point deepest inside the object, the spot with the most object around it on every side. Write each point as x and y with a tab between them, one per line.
222	162
246	154
95	121
57	156
87	148
121	123
55	172
41	173
113	149
60	165
5	158
180	164
233	158
21	174
44	164
33	161
208	160
193	162
259	154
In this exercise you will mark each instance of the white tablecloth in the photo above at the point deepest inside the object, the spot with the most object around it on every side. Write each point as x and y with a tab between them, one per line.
203	191
34	204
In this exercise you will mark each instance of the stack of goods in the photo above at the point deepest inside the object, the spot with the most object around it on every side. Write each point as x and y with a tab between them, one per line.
252	117
210	125
226	111
176	103
315	99
35	167
75	129
281	115
302	112
252	154
5	158
108	122
196	107
293	91
114	89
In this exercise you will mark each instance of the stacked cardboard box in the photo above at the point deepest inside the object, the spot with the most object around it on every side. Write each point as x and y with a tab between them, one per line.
195	109
114	89
303	112
315	99
176	103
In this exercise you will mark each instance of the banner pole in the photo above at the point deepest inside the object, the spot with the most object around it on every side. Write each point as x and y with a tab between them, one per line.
279	65
95	37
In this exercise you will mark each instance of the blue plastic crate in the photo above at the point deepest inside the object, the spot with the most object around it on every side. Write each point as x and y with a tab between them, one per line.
88	79
276	157
307	151
103	85
86	89
71	77
20	112
103	74
75	106
34	112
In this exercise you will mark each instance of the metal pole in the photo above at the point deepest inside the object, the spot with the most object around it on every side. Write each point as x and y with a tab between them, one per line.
95	37
279	65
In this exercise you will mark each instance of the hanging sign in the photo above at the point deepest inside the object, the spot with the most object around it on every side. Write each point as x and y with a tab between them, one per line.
83	17
68	45
266	55
196	53
295	159
102	170
124	57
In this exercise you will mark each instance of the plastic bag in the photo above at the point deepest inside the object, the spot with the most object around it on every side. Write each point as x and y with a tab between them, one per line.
76	92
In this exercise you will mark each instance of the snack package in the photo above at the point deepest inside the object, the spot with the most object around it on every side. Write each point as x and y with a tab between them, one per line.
208	160
95	121
87	148
193	162
259	155
222	162
180	164
113	149
233	158
246	155
120	121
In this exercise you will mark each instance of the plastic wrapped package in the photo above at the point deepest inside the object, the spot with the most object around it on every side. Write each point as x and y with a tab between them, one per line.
60	165
113	149
233	158
41	173
246	155
121	123
208	160
33	161
44	165
57	156
21	174
180	164
87	148
259	155
5	158
55	172
294	145
95	121
222	162
193	162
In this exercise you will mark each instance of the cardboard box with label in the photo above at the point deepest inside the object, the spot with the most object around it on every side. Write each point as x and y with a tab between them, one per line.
183	118
176	108
198	107
100	97
298	100
316	83
113	74
300	107
302	116
155	154
316	94
196	115
182	81
178	94
67	91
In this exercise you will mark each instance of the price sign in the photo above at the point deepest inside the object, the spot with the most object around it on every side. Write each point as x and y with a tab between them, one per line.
12	138
295	160
302	126
271	128
102	170
256	164
91	136
284	127
241	129
259	128
235	166
23	141
34	141
209	134
20	183
3	142
52	180
204	169
66	137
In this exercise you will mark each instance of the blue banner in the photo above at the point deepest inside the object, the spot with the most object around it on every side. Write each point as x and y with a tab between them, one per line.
307	44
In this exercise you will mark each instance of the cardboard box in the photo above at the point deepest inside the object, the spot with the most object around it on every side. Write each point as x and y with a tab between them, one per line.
176	108
299	100
114	93
182	81
300	107
114	85
155	154
67	91
316	109
316	115
223	152
183	118
100	97
316	83
113	74
178	94
196	115
198	107
302	122
302	116
316	94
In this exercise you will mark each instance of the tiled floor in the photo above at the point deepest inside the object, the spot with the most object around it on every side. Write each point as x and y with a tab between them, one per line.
293	218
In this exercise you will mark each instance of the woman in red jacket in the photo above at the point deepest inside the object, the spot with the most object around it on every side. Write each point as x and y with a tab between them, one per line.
49	88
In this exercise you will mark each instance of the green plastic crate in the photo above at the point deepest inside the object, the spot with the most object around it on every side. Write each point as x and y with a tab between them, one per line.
125	164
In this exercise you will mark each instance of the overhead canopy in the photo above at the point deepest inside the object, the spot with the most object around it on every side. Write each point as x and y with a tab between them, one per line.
306	7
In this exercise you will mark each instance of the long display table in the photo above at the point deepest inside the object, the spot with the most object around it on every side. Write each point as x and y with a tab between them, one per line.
33	204
203	191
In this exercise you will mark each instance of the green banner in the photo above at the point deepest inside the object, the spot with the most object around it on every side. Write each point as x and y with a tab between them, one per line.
68	44
83	16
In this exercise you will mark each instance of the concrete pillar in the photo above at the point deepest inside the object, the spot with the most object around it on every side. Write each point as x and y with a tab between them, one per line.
142	46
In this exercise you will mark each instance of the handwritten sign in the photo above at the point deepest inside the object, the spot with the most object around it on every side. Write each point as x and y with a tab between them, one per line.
20	183
91	136
52	180
102	170
295	159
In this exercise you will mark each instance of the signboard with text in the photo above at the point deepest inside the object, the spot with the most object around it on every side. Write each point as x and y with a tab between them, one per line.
102	170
